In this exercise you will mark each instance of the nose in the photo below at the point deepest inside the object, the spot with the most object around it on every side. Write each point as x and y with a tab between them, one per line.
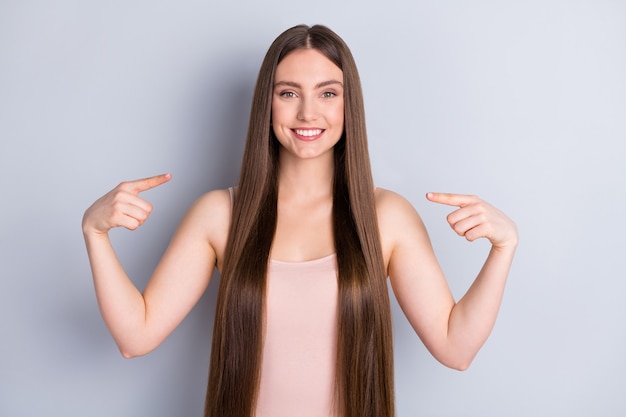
307	109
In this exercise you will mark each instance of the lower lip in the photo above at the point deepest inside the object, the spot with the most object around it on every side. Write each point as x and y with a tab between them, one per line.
307	138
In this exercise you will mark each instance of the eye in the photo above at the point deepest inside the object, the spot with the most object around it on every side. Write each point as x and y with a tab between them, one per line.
328	94
288	94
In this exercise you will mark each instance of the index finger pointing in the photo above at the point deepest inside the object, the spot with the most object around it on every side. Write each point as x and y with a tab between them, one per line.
145	184
458	200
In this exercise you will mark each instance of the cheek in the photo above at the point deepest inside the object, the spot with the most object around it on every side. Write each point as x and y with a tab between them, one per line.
338	115
279	113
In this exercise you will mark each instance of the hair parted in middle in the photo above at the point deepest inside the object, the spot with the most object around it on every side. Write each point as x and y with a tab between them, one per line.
364	369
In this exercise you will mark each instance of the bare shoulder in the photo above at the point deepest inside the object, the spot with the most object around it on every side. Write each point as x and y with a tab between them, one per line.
398	221
393	209
215	203
210	215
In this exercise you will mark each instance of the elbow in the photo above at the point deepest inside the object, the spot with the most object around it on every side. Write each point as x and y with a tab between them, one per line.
135	347
455	357
127	354
458	363
130	353
460	366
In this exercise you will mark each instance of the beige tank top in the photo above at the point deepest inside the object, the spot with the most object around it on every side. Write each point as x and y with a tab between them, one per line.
299	351
300	339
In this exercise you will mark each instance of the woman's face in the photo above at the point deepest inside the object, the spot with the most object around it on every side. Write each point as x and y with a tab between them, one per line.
307	104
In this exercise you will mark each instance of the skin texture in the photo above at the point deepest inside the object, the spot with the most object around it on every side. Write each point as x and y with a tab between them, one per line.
308	95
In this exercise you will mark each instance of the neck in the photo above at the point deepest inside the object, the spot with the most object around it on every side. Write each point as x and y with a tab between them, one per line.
305	178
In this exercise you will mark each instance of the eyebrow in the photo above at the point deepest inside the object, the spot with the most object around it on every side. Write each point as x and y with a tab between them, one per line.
296	85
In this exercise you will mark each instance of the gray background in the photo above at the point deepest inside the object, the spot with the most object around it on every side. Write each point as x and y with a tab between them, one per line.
523	103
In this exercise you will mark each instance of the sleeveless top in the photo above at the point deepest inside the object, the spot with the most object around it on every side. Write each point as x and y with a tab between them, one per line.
300	339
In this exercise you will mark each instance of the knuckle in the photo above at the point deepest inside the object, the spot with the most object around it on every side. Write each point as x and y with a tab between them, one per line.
123	185
118	194
474	199
117	206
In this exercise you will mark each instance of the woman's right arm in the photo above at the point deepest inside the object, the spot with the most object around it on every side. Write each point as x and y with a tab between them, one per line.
139	322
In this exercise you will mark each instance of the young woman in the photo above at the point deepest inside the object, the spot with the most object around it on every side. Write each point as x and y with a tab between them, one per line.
304	245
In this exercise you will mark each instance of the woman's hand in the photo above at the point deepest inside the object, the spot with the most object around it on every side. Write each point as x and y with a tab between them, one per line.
122	206
476	219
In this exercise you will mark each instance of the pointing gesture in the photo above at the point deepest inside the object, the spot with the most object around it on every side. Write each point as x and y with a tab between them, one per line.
476	219
122	206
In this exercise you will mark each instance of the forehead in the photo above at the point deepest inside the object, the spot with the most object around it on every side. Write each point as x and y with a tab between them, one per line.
306	66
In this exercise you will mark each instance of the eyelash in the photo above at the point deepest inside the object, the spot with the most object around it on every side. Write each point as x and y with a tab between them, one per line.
291	94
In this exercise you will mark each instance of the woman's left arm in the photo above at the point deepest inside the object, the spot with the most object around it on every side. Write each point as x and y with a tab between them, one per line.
452	331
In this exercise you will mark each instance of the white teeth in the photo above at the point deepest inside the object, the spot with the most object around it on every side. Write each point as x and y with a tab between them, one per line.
308	132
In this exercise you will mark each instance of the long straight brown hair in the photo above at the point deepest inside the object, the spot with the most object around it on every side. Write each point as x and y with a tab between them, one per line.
364	368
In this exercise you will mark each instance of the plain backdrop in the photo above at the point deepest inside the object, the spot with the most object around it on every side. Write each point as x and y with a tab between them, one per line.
522	103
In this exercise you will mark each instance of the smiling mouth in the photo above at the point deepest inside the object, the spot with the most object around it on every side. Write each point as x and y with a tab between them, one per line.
308	133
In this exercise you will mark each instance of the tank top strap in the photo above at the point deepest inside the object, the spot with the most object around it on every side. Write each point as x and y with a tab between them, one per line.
231	191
